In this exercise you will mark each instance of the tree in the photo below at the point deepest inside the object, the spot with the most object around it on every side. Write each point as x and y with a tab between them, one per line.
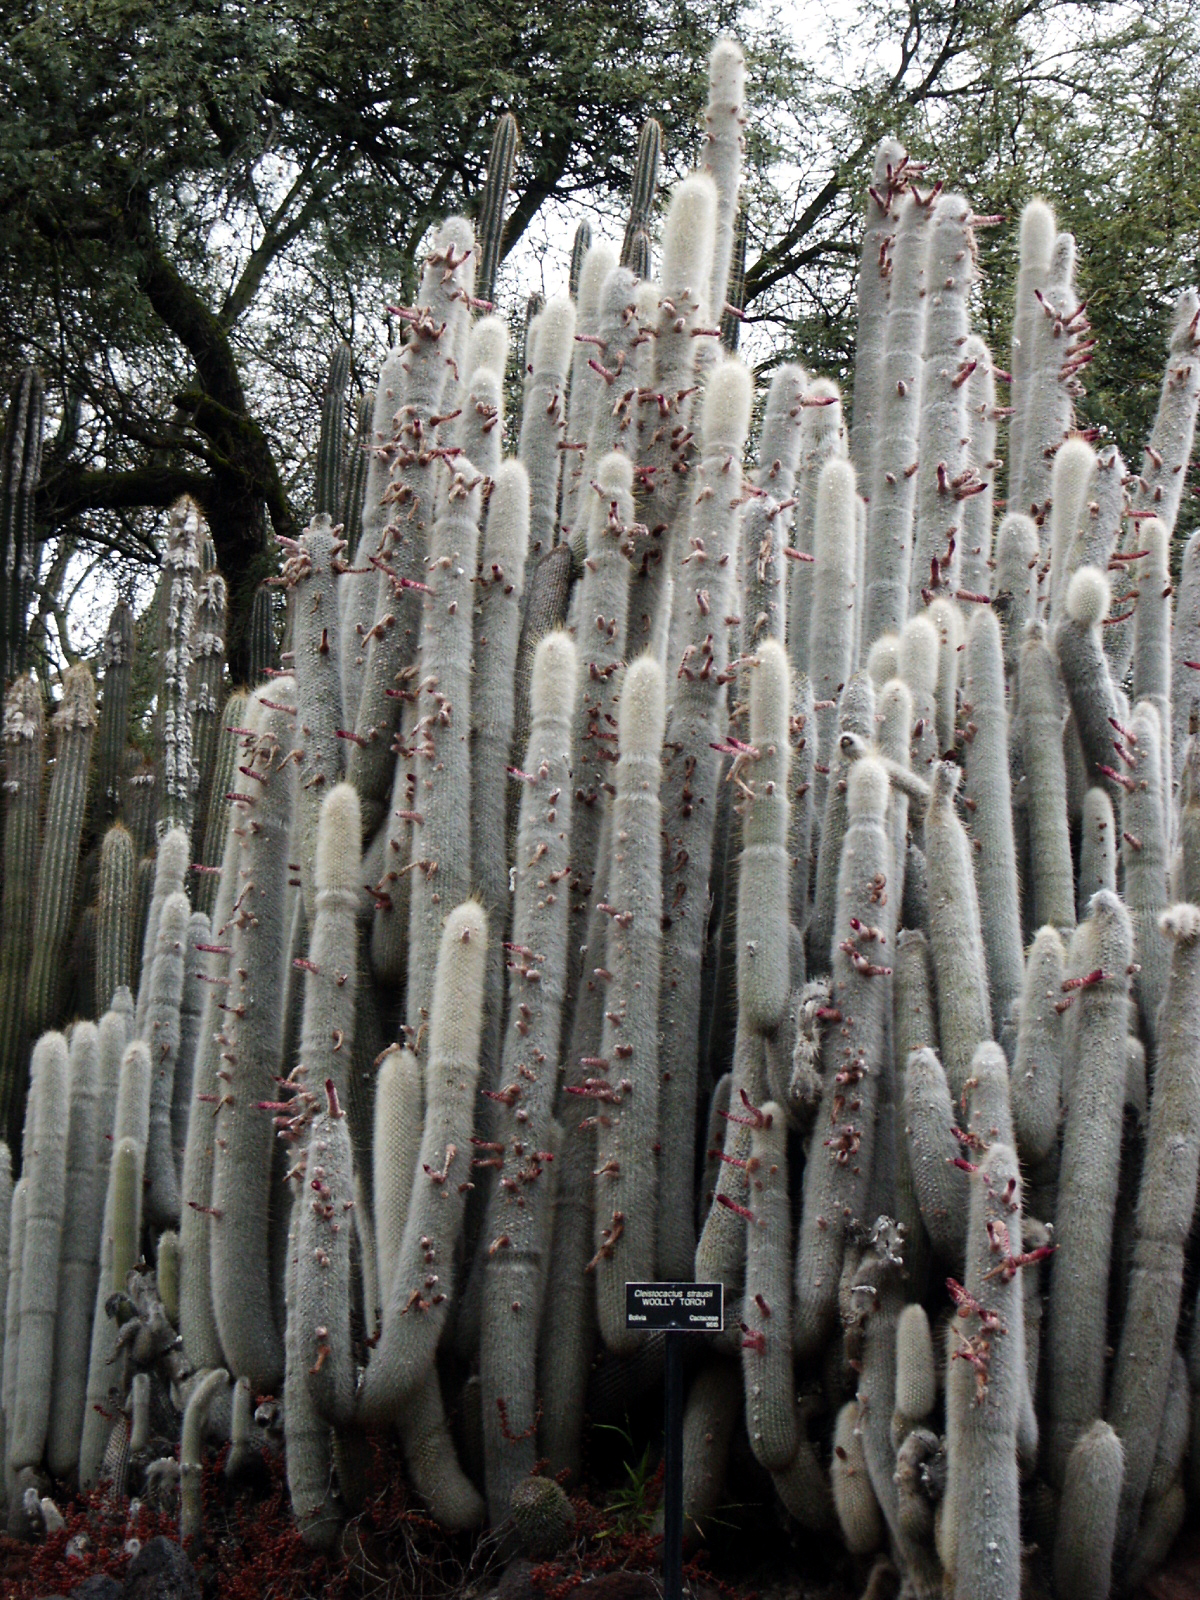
191	194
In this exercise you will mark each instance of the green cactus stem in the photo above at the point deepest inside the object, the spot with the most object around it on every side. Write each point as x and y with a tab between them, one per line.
116	654
331	442
74	725
506	141
23	739
20	472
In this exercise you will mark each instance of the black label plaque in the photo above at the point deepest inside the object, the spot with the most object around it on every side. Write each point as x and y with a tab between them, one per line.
674	1307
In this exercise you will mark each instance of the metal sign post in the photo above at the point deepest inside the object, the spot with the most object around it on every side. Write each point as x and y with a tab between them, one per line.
674	1309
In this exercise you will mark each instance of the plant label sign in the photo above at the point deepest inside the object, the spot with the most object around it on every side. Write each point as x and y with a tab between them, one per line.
675	1307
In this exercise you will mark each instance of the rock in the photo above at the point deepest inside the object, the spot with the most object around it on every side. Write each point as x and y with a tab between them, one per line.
160	1571
100	1586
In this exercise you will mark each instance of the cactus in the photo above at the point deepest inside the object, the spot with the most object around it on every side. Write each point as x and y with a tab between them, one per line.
502	157
767	1345
1014	584
191	1005
831	648
77	1263
217	811
481	428
955	935
441	794
1163	1219
821	438
205	695
887	183
520	1212
544	419
989	800
1041	712
686	275
940	1186
839	1166
116	655
1037	1064
1074	468
321	1304
943	481
613	422
119	1237
642	189
762	905
74	725
20	471
331	442
46	1169
310	574
856	718
23	737
1095	1077
981	463
15	1245
1058	346
1097	848
115	907
1143	860
599	260
425	363
1159	485
252	1039
416	1309
725	144
892	487
397	1139
169	870
703	598
626	1167
545	608
602	601
948	625
177	777
857	1508
191	1452
163	1003
1038	231
985	1497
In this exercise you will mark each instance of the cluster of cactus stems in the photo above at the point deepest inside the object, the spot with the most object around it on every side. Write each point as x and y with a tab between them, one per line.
644	861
